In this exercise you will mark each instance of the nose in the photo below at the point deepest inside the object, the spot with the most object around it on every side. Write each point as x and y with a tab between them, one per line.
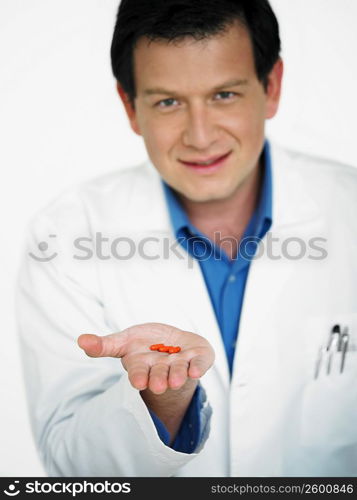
200	131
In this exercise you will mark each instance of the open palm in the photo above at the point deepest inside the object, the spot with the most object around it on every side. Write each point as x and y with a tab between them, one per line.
154	370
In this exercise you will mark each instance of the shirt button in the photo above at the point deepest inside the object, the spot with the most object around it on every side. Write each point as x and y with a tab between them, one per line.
191	443
190	426
232	278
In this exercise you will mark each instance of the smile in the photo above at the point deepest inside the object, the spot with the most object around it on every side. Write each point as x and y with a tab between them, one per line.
207	165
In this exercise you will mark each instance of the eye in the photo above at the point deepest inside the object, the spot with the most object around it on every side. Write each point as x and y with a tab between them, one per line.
167	103
225	95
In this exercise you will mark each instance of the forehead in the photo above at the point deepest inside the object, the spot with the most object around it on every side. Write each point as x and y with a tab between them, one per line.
189	65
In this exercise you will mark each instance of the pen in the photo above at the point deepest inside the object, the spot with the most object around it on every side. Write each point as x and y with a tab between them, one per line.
333	345
335	329
318	362
344	345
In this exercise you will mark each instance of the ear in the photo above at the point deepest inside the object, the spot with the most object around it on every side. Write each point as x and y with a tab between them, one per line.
129	109
274	89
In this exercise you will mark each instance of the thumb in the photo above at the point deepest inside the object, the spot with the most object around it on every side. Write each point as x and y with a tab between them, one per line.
98	347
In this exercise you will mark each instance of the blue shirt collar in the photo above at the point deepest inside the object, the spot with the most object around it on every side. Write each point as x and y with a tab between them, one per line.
260	221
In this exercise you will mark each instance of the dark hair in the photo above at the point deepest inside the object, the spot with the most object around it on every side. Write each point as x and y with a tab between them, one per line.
176	19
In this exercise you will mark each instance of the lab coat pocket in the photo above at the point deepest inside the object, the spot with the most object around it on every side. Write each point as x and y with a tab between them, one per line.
329	397
329	408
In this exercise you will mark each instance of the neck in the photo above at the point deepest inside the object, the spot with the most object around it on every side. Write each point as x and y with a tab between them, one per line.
233	212
227	219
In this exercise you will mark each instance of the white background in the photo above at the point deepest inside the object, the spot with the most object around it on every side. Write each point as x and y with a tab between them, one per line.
61	122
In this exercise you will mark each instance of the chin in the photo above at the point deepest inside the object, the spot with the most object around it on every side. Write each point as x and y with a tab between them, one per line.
201	197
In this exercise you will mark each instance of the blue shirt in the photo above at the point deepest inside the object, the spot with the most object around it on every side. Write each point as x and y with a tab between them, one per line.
225	280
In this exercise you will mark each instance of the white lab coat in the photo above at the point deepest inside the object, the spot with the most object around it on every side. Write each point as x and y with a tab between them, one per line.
273	418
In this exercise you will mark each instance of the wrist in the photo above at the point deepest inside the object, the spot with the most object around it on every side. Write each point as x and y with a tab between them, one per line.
170	396
171	406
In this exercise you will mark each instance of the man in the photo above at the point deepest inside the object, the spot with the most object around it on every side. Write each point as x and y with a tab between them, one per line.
198	80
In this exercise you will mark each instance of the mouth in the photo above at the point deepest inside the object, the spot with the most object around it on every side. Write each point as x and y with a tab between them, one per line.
207	164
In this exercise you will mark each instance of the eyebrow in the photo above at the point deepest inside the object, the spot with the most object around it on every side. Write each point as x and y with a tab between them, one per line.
231	83
162	91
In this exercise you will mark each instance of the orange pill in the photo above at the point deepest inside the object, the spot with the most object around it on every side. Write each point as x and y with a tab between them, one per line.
172	349
163	348
155	347
177	349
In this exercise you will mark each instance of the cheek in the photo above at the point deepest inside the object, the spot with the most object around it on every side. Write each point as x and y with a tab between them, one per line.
246	119
248	123
160	137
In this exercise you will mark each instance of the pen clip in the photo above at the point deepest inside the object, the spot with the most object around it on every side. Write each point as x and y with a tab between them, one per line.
336	330
333	345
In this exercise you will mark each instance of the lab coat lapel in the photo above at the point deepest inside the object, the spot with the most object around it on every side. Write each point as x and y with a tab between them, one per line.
295	214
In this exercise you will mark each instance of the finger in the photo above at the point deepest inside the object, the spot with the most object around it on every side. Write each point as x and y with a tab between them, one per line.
158	378
107	346
91	344
198	366
138	373
178	374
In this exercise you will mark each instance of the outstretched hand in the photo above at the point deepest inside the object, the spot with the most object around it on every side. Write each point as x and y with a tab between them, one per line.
153	370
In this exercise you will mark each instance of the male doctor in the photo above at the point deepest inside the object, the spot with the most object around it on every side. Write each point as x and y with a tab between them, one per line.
241	253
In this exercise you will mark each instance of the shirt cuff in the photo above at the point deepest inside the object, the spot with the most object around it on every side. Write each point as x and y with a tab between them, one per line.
193	429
